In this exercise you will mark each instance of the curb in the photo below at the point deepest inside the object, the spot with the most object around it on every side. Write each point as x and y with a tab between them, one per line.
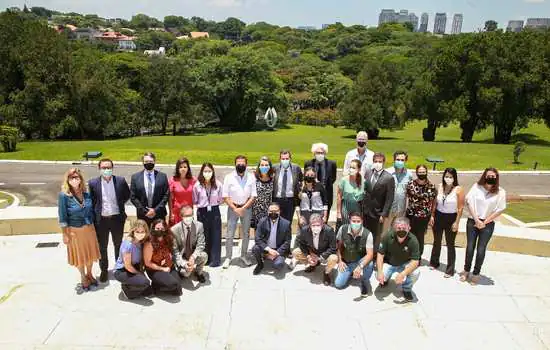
15	203
91	162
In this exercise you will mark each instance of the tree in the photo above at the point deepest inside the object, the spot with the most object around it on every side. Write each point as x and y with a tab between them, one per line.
491	26
142	21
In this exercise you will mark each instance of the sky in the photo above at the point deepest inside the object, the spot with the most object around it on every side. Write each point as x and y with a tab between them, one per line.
303	12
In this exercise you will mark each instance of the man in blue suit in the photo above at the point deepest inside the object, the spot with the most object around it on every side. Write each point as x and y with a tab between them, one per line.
273	236
149	191
109	193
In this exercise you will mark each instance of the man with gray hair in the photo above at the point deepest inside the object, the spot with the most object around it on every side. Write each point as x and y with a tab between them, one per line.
361	153
399	252
316	246
325	169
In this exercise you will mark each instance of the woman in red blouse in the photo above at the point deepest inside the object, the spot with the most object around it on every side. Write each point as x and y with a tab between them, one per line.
181	190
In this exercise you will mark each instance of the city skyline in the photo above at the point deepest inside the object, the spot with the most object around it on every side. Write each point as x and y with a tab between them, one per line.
304	12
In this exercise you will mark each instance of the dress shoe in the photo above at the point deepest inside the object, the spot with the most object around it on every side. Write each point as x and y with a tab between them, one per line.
258	268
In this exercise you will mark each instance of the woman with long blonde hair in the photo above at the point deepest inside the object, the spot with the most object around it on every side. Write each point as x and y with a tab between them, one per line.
75	211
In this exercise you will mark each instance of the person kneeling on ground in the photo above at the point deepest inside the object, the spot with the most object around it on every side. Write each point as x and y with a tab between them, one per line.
355	253
189	243
316	245
273	236
399	252
128	268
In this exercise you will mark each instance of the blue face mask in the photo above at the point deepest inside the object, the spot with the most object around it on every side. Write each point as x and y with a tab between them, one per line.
285	163
107	172
356	226
399	164
264	169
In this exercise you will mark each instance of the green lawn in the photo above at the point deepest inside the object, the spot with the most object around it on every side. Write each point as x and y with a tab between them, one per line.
529	210
221	148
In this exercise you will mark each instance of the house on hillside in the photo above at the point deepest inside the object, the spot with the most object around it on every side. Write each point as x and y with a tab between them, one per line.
124	42
85	34
198	35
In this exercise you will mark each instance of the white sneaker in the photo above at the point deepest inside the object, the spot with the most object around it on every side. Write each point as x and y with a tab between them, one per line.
292	264
226	263
246	261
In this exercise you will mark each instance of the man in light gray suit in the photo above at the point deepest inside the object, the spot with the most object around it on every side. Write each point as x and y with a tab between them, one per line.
189	242
287	183
378	198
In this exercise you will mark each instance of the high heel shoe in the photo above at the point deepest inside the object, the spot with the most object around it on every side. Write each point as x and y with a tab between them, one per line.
92	281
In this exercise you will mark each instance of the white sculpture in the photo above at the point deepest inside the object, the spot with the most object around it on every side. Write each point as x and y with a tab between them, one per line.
270	117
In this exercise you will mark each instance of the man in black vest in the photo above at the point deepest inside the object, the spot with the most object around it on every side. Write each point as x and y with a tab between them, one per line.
355	252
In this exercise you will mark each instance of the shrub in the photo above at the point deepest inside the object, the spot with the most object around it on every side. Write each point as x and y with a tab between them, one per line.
8	138
315	117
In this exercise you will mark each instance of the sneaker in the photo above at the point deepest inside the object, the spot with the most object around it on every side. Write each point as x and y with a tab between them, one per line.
310	268
246	261
201	278
292	264
408	295
326	279
104	277
226	263
258	269
364	290
124	294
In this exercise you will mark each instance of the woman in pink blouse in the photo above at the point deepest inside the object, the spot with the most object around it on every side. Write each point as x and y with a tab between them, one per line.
181	190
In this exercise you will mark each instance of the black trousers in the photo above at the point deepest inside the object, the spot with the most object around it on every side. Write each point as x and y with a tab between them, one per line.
287	208
330	198
212	222
168	282
115	225
134	285
418	228
443	222
376	228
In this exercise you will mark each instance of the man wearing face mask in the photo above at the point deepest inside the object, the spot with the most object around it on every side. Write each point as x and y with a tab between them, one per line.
149	191
378	197
325	170
239	192
355	252
189	244
399	252
273	236
109	193
361	153
401	177
316	246
287	182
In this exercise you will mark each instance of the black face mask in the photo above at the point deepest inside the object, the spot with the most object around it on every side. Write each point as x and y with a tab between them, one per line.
309	179
241	168
422	177
273	216
491	180
158	233
361	144
401	234
149	166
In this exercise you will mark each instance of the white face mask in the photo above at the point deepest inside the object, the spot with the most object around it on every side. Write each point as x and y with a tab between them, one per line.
449	180
188	220
352	171
319	157
207	175
377	166
316	229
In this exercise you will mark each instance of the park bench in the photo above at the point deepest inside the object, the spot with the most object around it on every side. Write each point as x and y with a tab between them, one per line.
92	154
434	161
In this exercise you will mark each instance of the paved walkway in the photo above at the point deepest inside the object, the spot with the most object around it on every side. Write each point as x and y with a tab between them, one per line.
40	310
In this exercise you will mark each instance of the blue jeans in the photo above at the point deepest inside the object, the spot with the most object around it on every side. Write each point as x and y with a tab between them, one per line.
232	220
342	278
411	279
475	236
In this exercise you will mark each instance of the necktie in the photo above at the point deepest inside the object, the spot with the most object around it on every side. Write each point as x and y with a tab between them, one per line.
188	248
285	182
150	190
375	178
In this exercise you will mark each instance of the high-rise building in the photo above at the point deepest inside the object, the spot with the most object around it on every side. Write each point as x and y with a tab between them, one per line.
387	16
424	23
403	16
515	26
538	23
413	19
440	23
457	23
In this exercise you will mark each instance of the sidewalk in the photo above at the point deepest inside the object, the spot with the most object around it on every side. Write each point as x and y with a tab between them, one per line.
236	310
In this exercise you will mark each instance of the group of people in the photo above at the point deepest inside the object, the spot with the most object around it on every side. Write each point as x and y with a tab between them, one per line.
382	217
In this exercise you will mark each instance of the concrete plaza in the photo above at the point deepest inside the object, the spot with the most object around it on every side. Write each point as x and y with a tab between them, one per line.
510	309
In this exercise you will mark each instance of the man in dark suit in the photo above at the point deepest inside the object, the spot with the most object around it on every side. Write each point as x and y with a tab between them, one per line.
109	193
273	236
287	183
316	245
149	191
325	169
378	198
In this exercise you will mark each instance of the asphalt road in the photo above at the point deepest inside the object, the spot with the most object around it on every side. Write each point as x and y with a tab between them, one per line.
38	184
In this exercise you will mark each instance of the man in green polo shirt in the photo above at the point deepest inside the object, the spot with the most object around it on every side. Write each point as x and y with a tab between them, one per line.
399	252
355	252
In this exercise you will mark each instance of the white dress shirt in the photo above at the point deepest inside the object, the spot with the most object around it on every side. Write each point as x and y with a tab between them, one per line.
485	203
238	189
316	240
109	205
366	160
272	241
289	183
